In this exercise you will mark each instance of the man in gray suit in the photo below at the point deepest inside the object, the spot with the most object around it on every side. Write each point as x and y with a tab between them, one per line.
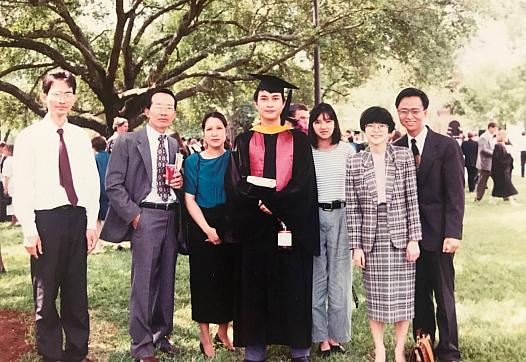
142	209
485	155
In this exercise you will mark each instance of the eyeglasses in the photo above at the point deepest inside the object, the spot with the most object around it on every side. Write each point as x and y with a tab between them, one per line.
158	108
62	95
379	126
415	112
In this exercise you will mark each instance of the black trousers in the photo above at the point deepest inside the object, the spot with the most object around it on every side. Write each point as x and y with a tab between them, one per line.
523	162
61	268
435	273
472	177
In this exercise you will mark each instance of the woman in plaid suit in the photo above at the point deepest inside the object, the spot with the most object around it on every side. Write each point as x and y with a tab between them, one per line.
384	228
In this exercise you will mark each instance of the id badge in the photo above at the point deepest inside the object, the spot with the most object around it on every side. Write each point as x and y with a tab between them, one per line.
285	238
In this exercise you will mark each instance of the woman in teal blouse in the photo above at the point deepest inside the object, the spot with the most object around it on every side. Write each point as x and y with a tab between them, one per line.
211	259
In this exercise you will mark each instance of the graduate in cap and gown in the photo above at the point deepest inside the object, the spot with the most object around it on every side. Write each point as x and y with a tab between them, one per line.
272	201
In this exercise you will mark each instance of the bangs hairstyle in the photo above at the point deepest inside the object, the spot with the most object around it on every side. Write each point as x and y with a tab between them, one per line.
412	92
148	101
329	113
58	74
377	115
213	114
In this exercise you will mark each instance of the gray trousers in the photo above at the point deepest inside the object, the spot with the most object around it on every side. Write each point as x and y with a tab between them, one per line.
154	254
482	182
332	280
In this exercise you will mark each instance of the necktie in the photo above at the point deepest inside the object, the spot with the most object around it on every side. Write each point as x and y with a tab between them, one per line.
64	170
162	189
416	153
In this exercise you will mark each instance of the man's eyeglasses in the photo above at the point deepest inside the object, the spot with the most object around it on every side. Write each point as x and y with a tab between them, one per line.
62	95
415	112
156	108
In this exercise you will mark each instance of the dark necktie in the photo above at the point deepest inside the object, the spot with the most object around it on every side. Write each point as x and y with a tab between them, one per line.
64	170
162	189
416	153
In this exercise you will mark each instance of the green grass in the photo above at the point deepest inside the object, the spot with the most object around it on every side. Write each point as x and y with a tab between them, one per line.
491	294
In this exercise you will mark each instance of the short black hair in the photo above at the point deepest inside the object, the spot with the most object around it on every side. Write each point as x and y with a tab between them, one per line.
377	114
98	143
412	92
213	114
326	109
148	101
58	74
492	125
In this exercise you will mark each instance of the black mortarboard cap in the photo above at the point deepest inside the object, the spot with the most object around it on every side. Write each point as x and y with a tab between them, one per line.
273	84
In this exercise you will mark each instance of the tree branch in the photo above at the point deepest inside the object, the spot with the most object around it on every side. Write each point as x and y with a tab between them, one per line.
23	97
17	67
117	42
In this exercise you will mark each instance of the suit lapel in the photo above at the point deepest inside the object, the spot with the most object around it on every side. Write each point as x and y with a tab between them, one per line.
368	175
144	149
390	169
428	157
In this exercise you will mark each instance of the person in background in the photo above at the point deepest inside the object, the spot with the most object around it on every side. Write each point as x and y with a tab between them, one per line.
470	151
332	270
501	168
300	113
120	127
101	159
3	216
357	141
440	180
182	144
384	228
522	149
7	181
486	144
211	257
393	136
56	198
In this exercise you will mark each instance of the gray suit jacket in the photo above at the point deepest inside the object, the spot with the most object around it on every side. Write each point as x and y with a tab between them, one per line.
129	181
401	198
485	151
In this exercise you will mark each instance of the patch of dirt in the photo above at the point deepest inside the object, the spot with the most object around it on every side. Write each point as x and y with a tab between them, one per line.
13	335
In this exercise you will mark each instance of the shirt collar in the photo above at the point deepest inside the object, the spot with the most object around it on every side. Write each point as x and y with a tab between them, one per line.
152	133
420	138
52	125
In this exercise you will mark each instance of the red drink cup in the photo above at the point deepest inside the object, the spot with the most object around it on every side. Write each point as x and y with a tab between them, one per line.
170	173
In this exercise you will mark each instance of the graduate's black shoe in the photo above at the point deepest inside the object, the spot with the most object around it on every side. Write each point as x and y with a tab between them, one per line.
337	349
300	359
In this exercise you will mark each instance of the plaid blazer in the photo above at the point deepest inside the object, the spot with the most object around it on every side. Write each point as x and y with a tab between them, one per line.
401	198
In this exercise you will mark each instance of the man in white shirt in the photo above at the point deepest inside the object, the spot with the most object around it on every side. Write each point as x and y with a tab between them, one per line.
56	199
142	210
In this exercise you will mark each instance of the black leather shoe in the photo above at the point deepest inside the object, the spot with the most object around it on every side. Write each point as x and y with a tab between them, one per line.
300	359
337	349
169	349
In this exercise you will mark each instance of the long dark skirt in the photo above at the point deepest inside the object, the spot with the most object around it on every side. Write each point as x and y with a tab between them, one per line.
211	272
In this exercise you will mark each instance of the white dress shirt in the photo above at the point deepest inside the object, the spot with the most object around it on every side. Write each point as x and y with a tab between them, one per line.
420	140
36	175
153	140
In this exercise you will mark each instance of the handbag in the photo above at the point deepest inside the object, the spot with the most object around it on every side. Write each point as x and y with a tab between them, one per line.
6	199
423	349
183	244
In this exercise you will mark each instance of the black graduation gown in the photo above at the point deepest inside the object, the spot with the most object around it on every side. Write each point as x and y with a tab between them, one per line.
501	167
274	303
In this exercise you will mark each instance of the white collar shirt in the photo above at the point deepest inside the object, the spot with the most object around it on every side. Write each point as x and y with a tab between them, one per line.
420	140
153	141
36	179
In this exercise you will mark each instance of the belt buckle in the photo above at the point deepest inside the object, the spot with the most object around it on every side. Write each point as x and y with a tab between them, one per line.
166	207
330	208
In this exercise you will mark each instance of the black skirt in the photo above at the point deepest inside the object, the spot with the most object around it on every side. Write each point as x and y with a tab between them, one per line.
211	271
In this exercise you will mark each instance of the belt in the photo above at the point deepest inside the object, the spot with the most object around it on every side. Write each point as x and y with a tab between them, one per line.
333	205
153	205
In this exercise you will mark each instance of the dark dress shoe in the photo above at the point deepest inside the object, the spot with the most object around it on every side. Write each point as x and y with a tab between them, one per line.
169	349
148	359
251	360
337	349
300	359
2	270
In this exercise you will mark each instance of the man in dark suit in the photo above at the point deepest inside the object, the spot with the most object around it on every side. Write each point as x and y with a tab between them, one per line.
440	183
470	151
142	209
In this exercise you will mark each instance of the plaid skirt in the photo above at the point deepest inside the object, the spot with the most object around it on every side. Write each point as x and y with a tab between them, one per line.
389	279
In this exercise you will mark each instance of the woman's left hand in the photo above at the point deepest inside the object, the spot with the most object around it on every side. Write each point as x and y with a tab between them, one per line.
412	252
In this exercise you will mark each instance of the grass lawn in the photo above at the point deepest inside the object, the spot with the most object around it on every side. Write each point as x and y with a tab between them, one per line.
491	294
